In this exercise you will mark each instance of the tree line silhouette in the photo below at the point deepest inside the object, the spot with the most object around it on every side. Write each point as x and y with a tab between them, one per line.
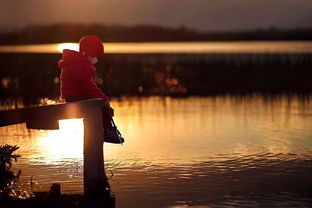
55	33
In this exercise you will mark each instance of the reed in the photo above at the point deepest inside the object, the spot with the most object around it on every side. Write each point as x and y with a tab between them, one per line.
31	77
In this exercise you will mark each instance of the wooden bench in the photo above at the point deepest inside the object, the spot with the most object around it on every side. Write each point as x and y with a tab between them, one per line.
46	117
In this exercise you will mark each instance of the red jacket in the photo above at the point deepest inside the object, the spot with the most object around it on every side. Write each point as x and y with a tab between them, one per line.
77	77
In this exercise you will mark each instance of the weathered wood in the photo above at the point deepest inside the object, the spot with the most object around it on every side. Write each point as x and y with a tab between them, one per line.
46	117
95	180
49	113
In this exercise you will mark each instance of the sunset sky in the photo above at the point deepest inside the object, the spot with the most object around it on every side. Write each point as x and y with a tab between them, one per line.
209	15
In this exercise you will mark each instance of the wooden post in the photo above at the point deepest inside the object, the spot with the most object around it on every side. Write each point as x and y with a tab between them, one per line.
95	181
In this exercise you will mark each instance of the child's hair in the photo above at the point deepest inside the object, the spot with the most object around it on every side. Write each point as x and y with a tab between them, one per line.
91	45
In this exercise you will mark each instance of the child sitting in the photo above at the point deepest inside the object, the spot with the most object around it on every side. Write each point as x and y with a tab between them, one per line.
77	80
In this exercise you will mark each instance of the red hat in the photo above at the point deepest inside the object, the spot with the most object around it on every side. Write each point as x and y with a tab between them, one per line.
91	45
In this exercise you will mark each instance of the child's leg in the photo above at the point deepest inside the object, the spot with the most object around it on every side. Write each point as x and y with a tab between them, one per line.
111	133
107	117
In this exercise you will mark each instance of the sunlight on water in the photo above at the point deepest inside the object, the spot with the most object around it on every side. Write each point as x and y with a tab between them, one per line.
198	127
207	127
174	47
57	145
72	46
221	151
39	48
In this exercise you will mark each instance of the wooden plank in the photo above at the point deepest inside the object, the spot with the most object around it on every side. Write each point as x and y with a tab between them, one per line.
49	114
11	117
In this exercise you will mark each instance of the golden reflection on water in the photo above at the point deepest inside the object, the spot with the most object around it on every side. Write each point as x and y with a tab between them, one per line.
158	130
72	46
174	47
39	48
170	133
58	145
180	131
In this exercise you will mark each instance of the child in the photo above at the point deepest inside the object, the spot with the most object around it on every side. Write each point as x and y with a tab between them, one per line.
77	80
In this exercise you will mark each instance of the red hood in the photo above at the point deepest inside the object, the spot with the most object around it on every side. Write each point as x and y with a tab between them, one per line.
70	57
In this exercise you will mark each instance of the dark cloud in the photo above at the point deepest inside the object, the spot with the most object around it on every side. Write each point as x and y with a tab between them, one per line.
202	14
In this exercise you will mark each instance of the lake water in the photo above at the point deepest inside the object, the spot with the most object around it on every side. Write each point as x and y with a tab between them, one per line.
175	47
225	151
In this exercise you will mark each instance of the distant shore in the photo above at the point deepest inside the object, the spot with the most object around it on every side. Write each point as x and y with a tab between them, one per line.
37	34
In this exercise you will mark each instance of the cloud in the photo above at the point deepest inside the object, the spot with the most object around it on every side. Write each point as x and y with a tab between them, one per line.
202	14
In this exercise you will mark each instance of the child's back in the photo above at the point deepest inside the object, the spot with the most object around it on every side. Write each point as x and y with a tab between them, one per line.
77	77
77	80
